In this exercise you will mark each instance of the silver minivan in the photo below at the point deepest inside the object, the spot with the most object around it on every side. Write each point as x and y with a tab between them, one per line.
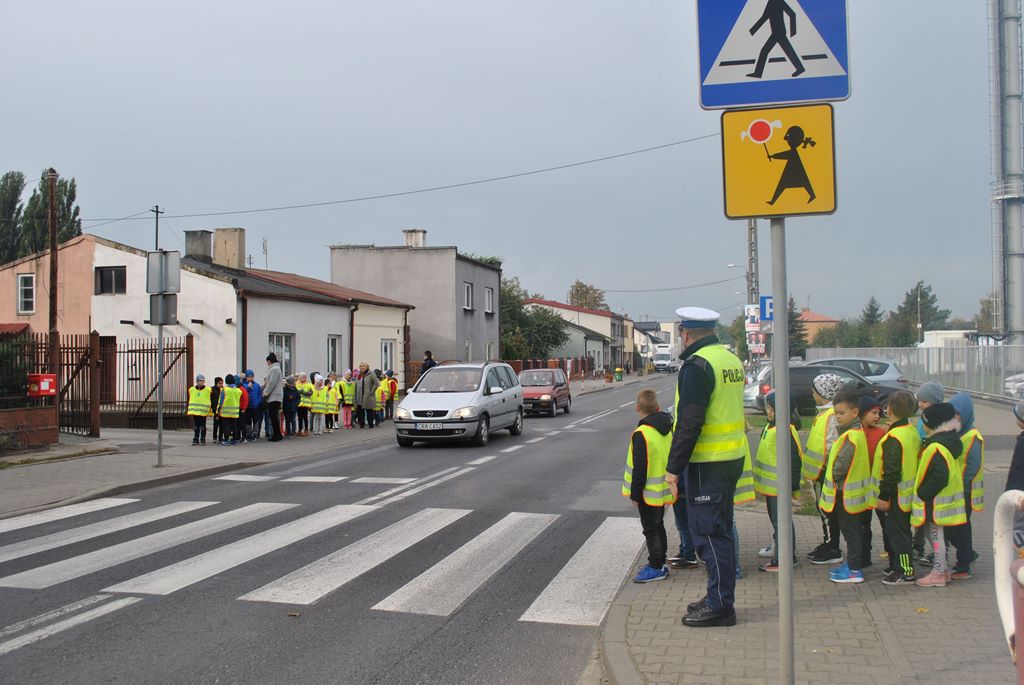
461	401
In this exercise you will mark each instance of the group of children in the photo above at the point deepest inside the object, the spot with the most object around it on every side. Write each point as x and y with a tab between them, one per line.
312	404
923	480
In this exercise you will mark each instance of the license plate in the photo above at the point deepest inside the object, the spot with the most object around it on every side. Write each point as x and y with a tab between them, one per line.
429	426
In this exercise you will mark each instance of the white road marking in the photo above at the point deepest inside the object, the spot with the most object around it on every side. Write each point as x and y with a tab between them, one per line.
511	449
76	567
246	479
66	624
314	479
449	583
595	417
384	481
584	589
426	486
553	433
627	404
172	578
536	440
570	426
481	460
400	488
310	583
67	537
50	615
64	512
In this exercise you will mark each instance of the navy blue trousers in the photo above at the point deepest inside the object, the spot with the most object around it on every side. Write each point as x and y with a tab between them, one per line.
710	488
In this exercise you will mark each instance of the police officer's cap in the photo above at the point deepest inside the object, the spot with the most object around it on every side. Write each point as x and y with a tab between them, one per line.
697	317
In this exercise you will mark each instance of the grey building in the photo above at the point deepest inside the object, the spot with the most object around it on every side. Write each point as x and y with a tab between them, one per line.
456	313
583	342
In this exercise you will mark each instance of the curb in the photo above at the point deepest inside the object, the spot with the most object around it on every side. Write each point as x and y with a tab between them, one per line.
619	668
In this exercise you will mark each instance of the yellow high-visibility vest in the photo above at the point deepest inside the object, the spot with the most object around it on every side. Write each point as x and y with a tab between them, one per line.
910	444
657	492
814	455
858	495
978	482
333	399
199	402
231	402
745	485
348	392
722	437
318	402
766	472
948	507
304	400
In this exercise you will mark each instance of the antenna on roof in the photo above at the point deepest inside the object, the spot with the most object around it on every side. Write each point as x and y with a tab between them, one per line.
248	261
265	255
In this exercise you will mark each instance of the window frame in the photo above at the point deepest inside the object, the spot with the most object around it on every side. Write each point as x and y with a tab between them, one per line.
333	355
20	300
287	361
115	271
388	364
488	300
467	296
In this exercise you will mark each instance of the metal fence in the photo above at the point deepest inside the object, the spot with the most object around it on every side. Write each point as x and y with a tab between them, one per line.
994	370
128	385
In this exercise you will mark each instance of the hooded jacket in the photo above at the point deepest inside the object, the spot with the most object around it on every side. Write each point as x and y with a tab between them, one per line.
662	422
965	408
937	475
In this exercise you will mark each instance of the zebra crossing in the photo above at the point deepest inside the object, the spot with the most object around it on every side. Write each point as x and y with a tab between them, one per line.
579	594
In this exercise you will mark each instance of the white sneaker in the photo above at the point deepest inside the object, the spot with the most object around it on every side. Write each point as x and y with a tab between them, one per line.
767	552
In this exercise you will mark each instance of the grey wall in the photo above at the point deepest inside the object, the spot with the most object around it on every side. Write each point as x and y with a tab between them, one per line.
310	324
422	277
476	325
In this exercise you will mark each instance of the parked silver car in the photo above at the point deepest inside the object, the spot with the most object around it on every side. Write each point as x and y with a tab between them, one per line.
880	371
464	401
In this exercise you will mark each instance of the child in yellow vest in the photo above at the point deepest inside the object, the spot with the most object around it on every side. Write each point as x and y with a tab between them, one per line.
318	404
644	481
972	469
939	489
892	474
199	408
331	417
766	475
348	396
822	436
305	389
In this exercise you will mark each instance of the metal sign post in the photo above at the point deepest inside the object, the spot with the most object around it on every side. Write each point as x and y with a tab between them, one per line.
780	364
160	367
163	280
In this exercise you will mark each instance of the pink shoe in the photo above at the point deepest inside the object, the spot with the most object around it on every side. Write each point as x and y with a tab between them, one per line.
933	579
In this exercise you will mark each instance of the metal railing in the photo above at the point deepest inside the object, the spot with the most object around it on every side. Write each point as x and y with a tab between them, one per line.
987	370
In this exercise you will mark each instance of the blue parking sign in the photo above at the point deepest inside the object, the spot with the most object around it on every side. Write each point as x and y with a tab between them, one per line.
767	308
768	52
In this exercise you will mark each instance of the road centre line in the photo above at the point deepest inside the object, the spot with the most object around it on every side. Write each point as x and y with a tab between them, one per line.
66	624
481	460
400	488
514	448
627	404
425	486
331	460
26	520
595	417
50	615
536	440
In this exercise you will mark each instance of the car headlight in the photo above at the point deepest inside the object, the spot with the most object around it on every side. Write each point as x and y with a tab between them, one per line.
402	414
545	398
464	413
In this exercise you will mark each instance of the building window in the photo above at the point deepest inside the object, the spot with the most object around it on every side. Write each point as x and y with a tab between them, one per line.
490	351
467	295
111	280
26	293
387	355
282	344
333	353
489	300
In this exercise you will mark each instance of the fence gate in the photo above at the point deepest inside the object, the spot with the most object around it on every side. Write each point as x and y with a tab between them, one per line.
129	385
79	399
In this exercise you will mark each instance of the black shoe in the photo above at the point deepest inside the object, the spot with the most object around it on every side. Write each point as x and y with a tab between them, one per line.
683	563
709	618
195	442
694	607
899	579
819	549
827	555
202	442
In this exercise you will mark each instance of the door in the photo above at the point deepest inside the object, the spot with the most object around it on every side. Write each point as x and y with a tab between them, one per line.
561	389
496	403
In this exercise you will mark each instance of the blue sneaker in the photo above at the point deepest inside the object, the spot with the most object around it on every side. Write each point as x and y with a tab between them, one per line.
648	574
847	576
839	570
739	573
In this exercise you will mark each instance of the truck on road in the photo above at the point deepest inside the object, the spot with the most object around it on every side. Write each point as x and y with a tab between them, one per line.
665	359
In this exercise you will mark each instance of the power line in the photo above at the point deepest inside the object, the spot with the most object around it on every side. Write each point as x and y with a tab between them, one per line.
418	191
682	287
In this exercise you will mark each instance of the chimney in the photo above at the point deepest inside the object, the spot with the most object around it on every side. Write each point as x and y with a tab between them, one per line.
229	247
415	237
199	245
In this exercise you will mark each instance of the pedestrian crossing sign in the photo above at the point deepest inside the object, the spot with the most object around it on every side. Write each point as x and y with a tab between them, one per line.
770	52
779	162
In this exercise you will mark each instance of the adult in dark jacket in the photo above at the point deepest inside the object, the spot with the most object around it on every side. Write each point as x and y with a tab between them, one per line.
273	394
428	362
366	396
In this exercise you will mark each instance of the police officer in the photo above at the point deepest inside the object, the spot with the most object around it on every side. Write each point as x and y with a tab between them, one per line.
708	448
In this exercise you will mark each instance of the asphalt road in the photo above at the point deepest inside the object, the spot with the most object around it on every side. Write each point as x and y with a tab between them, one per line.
477	565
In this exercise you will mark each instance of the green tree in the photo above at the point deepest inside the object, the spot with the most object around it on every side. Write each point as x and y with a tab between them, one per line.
12	185
737	332
984	321
872	313
797	331
35	235
920	305
587	296
527	332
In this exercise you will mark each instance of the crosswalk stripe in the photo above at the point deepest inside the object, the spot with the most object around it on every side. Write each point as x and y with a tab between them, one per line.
372	480
400	488
448	584
409	493
18	522
584	589
242	478
66	537
66	624
75	567
311	582
172	578
314	479
50	615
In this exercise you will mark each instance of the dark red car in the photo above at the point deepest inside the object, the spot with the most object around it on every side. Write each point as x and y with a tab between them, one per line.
545	391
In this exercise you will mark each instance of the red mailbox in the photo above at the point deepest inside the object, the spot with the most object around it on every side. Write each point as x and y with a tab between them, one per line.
42	384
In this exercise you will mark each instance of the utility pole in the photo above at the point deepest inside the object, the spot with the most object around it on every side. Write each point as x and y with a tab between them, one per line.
266	257
159	348
51	220
920	328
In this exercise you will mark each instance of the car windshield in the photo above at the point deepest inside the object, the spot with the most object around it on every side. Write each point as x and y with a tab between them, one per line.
450	380
536	378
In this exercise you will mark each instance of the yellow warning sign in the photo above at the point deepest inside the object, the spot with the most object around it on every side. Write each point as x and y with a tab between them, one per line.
779	162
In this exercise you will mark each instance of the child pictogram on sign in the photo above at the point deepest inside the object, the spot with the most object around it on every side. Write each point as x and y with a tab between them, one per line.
794	175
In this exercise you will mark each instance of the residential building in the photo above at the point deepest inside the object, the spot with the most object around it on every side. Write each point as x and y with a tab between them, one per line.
583	342
602	321
455	296
814	322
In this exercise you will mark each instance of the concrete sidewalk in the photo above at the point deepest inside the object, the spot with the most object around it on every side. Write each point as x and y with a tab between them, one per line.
844	633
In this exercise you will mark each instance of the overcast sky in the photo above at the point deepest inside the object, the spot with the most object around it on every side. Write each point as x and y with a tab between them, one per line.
215	106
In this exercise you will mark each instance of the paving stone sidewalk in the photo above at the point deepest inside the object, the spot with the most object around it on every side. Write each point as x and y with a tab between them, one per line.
844	633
